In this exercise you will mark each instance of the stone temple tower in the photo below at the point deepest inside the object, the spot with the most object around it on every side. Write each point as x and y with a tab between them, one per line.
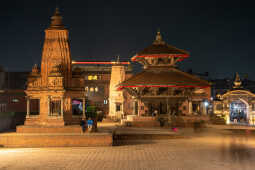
116	98
52	90
56	51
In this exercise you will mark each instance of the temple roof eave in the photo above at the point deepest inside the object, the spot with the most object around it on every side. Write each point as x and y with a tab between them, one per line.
168	77
238	90
137	56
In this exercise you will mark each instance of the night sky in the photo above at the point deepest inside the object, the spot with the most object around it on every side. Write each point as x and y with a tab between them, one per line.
218	34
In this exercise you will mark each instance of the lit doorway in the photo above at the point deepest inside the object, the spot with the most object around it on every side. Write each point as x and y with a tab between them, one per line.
238	112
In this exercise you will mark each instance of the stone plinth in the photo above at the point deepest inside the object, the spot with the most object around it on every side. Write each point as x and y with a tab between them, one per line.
138	121
55	140
49	129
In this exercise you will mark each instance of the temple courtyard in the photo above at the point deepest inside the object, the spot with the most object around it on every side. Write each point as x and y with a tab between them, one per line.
218	147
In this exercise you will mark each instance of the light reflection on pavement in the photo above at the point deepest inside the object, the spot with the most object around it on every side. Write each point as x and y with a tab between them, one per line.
205	152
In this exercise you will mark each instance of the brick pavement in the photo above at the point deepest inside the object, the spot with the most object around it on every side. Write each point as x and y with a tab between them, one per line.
207	153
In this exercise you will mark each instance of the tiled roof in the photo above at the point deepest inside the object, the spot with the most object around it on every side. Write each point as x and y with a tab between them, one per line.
164	77
162	49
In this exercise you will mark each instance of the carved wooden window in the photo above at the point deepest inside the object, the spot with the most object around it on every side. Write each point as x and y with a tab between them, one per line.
55	107
34	106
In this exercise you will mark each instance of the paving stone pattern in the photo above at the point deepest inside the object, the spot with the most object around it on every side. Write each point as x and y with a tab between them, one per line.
207	153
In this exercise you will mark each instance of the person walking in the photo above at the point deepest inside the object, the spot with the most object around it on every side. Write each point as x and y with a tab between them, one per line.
82	123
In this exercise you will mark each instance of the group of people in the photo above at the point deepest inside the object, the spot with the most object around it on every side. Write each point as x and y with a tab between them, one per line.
87	124
237	116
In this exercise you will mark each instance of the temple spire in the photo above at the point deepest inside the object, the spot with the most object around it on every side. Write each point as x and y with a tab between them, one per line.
56	19
158	40
237	82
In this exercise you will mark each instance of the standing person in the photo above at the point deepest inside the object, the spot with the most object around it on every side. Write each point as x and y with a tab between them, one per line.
90	124
155	112
82	123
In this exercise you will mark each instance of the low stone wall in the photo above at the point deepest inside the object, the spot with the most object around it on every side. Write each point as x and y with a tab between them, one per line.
55	140
140	121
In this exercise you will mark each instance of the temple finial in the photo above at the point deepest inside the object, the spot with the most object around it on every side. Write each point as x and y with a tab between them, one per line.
56	19
158	40
237	82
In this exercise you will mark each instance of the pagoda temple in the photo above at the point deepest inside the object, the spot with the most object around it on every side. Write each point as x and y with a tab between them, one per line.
161	88
53	89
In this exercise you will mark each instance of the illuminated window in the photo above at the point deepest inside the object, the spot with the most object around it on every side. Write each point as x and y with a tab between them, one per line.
90	77
96	89
95	77
91	89
77	107
105	101
86	89
15	100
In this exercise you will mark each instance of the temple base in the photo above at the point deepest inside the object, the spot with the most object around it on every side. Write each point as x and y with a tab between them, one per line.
55	140
49	129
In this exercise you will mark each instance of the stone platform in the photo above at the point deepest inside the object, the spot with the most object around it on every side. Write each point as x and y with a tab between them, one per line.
49	129
138	121
36	140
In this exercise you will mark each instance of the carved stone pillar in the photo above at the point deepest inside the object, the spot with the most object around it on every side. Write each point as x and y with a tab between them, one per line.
62	107
28	106
48	104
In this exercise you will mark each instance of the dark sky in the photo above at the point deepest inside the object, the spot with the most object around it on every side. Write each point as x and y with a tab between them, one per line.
218	34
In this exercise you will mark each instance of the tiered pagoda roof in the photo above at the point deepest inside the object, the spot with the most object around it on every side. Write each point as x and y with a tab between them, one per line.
161	49
159	60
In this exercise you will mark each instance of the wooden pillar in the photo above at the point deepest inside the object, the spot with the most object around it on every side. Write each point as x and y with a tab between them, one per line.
167	106
138	106
190	107
134	106
28	106
83	108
